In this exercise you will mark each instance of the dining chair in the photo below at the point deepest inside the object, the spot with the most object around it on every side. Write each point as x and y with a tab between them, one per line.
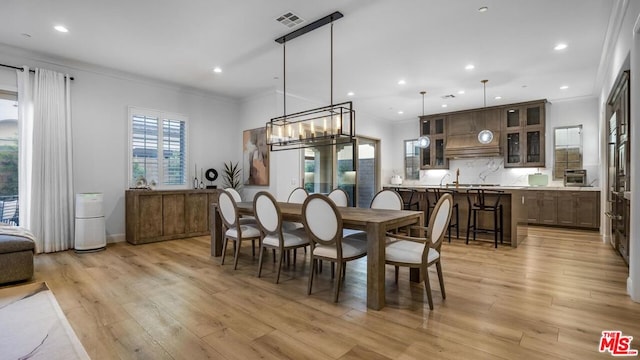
244	219
423	251
297	196
339	197
455	220
269	219
323	223
387	199
232	228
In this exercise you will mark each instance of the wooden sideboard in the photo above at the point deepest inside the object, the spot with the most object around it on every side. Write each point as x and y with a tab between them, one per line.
160	215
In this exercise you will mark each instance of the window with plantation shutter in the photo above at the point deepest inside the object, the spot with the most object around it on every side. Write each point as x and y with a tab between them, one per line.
158	143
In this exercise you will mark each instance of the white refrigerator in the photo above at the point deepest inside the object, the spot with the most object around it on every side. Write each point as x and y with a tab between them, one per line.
90	227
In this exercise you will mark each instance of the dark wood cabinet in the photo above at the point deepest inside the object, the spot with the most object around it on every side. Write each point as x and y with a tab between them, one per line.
524	134
579	209
433	157
166	215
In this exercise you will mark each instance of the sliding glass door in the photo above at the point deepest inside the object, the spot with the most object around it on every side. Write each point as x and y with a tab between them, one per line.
330	167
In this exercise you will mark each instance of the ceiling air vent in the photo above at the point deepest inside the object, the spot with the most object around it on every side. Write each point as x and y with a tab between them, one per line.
450	96
290	19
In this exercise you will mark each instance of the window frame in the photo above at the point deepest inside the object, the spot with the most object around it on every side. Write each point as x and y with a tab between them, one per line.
161	115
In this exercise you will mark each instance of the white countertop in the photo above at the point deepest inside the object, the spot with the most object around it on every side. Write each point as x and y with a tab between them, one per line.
502	187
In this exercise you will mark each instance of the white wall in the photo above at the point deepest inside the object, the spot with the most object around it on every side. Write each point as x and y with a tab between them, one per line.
100	98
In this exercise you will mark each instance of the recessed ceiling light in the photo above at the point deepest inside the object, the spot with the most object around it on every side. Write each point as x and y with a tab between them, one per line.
564	87
483	9
61	28
400	112
498	97
560	46
461	92
217	70
350	93
469	67
444	105
401	82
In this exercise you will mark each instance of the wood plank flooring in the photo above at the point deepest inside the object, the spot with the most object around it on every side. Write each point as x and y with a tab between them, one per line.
549	298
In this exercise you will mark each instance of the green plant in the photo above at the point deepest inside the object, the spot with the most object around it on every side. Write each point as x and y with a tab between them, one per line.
231	175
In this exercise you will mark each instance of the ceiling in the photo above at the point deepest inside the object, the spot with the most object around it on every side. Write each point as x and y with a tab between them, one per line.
427	43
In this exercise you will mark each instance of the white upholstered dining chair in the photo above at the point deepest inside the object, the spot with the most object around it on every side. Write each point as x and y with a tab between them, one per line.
339	197
388	200
244	219
297	196
232	228
323	223
269	218
422	251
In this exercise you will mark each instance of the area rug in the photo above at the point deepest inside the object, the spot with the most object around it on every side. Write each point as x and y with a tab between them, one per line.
32	325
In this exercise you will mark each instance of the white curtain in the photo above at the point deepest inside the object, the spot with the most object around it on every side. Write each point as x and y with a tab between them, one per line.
25	134
51	208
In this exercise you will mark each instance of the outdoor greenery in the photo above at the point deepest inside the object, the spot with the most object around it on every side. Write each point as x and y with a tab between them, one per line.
8	170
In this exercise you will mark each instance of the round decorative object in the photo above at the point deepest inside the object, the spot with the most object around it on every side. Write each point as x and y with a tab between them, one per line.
485	136
424	141
211	174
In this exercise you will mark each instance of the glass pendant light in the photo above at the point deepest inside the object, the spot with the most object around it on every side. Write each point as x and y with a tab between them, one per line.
485	136
423	140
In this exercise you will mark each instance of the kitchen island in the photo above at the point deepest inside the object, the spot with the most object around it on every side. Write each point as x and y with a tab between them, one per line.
575	207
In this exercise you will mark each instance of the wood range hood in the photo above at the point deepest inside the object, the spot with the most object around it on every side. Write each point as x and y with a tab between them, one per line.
467	146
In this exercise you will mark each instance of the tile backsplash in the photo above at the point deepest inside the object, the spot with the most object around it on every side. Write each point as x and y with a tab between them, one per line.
491	171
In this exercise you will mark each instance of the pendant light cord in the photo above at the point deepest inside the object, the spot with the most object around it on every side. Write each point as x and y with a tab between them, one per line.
284	76
331	92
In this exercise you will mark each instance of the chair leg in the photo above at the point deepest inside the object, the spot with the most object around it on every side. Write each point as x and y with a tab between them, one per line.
224	250
475	224
495	228
260	260
314	266
282	251
237	244
344	271
468	226
333	270
501	225
457	223
319	268
338	282
427	287
295	251
396	272
274	255
440	277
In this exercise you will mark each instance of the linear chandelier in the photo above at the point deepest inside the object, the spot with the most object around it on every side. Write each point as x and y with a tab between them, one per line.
327	125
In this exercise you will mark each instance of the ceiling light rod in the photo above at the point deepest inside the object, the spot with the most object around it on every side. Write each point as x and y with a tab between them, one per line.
484	87
310	27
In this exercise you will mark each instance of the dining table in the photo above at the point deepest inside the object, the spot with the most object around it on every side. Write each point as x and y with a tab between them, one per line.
375	222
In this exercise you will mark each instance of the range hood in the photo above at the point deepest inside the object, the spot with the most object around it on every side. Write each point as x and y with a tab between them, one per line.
468	146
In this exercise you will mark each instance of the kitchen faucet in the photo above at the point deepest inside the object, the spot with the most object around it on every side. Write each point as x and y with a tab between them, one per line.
442	179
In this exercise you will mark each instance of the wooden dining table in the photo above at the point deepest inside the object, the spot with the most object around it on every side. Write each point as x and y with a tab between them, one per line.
375	222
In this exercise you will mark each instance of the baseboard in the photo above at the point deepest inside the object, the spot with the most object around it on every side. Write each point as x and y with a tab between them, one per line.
115	238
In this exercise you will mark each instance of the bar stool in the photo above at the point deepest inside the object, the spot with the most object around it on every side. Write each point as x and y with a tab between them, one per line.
477	199
410	197
438	192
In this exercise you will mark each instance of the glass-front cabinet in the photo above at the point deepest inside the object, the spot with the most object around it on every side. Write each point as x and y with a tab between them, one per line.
524	134
432	157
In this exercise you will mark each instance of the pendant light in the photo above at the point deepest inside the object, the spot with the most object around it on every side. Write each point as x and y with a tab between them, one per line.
423	140
485	136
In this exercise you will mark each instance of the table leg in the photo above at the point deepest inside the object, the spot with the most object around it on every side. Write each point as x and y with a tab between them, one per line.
216	231
375	266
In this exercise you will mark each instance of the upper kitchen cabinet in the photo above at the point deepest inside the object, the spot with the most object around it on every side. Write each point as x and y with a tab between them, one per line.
432	157
523	131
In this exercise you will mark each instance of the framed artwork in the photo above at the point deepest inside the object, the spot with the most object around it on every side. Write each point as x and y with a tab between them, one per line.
255	157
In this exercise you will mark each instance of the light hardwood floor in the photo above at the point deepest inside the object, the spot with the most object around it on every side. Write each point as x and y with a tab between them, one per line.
549	298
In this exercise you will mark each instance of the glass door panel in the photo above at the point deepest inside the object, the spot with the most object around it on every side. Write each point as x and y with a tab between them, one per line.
533	116
439	152
318	169
367	184
513	148
513	118
346	174
533	146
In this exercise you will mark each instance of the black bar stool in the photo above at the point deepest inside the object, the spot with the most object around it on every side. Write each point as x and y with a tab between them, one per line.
477	199
437	193
410	197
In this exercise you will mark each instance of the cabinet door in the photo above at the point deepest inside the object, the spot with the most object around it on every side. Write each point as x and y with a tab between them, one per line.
197	218
533	207
150	216
548	208
566	209
173	214
587	214
512	118
512	155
